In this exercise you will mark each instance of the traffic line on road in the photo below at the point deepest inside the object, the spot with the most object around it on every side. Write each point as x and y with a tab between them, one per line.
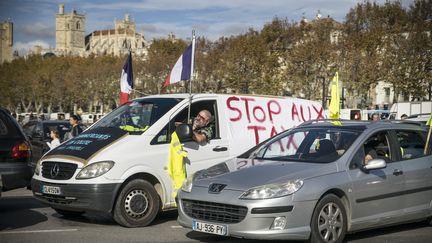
36	231
176	227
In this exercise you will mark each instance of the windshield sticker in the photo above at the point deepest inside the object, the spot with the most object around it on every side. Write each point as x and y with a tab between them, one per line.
88	143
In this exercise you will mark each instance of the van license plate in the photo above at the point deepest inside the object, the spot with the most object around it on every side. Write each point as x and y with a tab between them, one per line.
54	190
209	228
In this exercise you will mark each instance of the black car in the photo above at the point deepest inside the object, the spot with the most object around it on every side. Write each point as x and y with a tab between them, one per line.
15	154
39	131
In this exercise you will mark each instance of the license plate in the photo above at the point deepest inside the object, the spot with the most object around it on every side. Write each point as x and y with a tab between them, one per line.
54	190
216	229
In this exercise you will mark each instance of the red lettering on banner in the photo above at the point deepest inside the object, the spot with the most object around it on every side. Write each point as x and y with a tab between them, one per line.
294	112
256	129
319	113
233	108
262	112
302	113
273	112
246	100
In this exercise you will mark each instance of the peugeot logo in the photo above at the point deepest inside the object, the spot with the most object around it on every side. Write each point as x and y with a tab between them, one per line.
216	188
55	170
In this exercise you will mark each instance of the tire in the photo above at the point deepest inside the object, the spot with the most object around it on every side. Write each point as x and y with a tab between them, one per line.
329	221
67	213
137	204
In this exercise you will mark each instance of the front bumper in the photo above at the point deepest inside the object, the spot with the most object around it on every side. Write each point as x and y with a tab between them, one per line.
257	224
78	197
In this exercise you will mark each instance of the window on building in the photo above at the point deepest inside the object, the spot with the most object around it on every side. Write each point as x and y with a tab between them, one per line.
78	25
387	91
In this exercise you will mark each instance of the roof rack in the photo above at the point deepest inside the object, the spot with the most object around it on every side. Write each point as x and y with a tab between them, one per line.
332	120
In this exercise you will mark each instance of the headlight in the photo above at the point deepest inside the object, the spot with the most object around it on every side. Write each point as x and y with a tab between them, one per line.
38	167
273	190
95	170
187	184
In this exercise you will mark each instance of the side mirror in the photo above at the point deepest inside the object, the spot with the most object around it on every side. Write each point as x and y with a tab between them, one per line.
375	164
37	134
184	132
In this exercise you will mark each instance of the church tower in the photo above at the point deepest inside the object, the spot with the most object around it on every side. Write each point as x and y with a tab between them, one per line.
70	32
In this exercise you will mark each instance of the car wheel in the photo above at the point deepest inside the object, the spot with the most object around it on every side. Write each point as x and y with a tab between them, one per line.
67	213
329	221
137	204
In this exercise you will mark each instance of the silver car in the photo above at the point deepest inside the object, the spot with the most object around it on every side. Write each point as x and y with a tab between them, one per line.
316	182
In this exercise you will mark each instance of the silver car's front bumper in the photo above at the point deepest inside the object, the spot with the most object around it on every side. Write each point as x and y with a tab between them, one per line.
255	225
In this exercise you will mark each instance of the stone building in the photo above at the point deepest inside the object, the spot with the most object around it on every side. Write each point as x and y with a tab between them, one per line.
6	41
70	32
117	41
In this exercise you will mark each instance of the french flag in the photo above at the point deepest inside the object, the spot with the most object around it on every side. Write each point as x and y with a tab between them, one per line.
126	80
182	69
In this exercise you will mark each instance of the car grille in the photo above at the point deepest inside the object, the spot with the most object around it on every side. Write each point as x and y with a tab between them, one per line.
62	171
214	212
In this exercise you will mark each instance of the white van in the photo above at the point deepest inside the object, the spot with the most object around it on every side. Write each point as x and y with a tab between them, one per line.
119	164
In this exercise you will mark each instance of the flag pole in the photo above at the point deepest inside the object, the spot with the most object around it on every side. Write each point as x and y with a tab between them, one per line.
429	124
191	76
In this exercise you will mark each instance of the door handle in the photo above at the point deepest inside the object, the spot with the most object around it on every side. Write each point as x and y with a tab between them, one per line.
220	149
397	172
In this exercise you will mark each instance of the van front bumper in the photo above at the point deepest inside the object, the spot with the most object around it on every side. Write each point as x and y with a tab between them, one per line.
78	197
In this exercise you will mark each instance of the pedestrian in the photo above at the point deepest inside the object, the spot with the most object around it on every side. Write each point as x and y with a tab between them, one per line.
76	129
375	117
55	136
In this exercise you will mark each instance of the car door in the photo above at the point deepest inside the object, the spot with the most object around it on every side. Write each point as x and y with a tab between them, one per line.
374	192
201	156
417	170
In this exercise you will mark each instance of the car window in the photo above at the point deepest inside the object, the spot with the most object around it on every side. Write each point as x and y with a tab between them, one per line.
321	145
411	143
375	147
164	136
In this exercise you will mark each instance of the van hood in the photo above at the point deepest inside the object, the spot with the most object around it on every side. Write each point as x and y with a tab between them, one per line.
266	172
87	144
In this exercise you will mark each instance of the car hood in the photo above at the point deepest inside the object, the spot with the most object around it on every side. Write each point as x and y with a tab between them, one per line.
266	172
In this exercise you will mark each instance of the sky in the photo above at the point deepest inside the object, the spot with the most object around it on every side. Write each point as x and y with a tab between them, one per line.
34	20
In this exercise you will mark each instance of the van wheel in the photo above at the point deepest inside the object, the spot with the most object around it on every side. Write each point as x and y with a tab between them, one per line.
67	213
137	204
329	221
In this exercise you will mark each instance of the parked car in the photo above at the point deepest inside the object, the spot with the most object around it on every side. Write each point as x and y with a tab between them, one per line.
38	132
15	154
422	118
315	182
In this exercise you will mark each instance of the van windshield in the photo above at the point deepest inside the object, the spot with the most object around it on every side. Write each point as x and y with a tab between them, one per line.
138	115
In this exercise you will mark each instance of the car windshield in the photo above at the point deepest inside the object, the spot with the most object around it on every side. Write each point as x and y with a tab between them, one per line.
318	145
137	116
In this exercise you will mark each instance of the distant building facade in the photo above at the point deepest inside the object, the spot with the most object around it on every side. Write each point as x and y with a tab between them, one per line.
6	41
70	32
117	41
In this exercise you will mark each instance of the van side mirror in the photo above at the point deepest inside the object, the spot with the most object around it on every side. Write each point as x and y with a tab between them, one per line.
37	134
375	164
184	132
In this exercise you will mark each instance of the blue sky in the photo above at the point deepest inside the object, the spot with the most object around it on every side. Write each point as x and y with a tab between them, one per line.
34	20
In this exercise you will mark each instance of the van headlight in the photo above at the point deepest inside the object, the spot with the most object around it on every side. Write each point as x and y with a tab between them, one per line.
187	184
95	170
273	190
37	168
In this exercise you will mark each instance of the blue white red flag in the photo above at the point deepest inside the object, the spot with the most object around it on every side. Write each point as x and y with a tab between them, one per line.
182	69
126	80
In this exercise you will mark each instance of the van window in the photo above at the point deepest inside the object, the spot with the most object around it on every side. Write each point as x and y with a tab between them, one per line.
138	115
412	144
164	136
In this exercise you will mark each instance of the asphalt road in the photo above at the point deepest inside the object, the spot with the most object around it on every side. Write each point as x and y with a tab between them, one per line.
24	219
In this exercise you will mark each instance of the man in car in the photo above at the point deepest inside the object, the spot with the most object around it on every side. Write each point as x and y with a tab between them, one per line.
202	129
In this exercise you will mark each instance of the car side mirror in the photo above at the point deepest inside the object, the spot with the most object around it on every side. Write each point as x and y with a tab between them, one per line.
37	134
184	132
375	164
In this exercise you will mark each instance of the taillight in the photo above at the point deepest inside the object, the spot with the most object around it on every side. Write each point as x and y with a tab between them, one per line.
21	150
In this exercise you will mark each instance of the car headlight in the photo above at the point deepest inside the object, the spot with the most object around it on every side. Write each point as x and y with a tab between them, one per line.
95	170
273	190
37	168
187	184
